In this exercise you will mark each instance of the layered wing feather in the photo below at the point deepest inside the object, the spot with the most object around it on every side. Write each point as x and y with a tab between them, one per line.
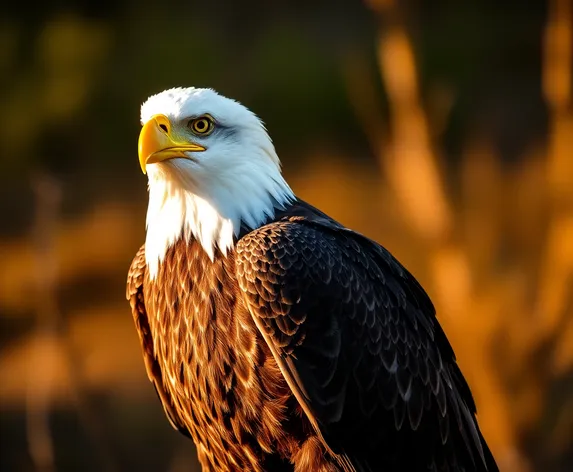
357	340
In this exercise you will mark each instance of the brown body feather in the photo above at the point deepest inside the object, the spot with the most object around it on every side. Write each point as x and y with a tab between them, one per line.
214	374
308	348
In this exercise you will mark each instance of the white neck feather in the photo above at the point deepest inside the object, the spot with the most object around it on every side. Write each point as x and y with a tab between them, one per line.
176	210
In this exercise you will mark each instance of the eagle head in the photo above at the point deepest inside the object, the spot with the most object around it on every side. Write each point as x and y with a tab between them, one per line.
212	168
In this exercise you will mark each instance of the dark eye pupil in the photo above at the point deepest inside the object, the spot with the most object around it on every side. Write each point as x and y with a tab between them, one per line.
201	125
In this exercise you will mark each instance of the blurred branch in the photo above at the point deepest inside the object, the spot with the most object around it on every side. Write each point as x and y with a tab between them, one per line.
557	87
554	305
48	196
52	340
411	164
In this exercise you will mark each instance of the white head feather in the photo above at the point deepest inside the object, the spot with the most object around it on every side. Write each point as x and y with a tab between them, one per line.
236	181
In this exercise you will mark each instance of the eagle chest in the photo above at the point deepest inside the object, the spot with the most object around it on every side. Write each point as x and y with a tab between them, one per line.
217	369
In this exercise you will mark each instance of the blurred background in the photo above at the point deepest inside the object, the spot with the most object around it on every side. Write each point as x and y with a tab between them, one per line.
444	130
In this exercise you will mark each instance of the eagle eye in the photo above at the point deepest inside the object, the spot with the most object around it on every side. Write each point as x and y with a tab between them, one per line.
202	126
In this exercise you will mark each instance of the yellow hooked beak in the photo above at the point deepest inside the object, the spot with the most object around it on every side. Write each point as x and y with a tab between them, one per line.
156	143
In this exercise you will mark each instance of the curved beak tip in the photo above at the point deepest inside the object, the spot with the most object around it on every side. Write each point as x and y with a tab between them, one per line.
152	139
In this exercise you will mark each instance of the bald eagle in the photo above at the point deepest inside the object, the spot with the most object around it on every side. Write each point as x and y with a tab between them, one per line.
276	338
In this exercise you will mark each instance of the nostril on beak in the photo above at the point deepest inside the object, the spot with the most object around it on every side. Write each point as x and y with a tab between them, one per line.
163	122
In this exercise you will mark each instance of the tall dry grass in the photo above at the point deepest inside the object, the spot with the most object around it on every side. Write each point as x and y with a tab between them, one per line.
511	322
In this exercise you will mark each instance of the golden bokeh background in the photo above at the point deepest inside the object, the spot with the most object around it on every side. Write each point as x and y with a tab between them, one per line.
444	130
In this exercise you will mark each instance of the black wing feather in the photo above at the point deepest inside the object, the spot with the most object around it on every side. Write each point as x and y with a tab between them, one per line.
358	342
